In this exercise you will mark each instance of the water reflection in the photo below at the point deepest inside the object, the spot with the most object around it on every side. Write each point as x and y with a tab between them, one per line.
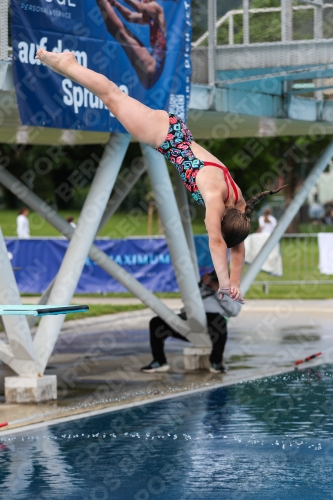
35	467
300	335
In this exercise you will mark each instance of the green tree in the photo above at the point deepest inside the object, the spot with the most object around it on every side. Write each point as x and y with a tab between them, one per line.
62	175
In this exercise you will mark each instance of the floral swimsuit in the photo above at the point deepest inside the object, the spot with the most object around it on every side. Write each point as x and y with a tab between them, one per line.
177	149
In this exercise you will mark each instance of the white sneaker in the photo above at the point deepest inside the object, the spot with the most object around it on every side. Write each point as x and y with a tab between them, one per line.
155	366
217	368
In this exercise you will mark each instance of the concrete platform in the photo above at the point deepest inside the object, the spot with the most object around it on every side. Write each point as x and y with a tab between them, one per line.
97	360
31	389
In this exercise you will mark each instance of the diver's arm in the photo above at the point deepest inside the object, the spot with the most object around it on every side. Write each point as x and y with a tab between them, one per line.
237	256
218	248
214	212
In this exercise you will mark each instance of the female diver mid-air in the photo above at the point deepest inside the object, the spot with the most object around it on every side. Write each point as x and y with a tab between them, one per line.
206	178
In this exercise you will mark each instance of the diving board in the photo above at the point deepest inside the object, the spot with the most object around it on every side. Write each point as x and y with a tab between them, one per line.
40	310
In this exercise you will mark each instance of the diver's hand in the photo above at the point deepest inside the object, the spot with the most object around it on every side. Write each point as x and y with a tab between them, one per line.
236	294
233	292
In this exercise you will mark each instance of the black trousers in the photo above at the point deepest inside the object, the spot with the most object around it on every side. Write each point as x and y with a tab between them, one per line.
217	329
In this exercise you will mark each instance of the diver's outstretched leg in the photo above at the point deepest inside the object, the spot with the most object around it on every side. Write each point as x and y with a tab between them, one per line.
143	123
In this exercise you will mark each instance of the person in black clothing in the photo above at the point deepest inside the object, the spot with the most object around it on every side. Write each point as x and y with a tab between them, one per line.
217	311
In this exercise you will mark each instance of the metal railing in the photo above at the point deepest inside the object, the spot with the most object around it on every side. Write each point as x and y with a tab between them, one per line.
300	259
274	37
310	20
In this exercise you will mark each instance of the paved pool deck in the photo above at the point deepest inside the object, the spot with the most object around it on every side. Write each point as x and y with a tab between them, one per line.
97	360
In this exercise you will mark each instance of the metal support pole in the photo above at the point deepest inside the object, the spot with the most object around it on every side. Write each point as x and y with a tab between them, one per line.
185	216
211	42
231	29
120	193
246	30
287	217
175	236
116	199
319	96
19	354
100	257
286	20
318	35
318	21
78	249
134	286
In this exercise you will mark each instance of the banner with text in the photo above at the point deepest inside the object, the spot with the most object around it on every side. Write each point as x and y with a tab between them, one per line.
144	47
37	262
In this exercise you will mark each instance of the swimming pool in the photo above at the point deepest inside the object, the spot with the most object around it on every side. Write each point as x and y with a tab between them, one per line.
265	439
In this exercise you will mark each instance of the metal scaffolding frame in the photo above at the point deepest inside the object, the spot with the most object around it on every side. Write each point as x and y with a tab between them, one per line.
176	239
30	357
286	20
246	30
72	265
97	209
19	353
185	215
211	42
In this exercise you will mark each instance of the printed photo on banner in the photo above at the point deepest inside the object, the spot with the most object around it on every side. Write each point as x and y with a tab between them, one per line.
142	45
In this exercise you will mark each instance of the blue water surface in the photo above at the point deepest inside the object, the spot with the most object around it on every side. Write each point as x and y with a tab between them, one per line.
264	439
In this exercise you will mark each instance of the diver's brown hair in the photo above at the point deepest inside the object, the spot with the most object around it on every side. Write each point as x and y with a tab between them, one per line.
235	225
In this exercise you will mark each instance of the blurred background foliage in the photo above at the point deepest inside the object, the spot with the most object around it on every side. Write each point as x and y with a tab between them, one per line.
276	160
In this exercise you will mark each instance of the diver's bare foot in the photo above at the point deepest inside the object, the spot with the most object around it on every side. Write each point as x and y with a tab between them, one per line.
57	62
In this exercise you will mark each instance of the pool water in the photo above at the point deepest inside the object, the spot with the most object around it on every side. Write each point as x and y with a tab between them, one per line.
266	439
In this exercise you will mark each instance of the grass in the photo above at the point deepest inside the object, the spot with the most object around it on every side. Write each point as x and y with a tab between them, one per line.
121	225
291	292
276	292
102	309
300	257
315	228
96	310
122	295
315	291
